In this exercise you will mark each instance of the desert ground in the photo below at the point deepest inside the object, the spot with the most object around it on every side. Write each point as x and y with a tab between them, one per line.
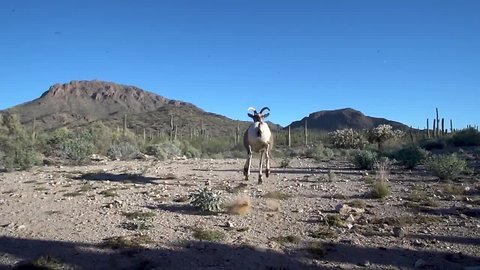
310	215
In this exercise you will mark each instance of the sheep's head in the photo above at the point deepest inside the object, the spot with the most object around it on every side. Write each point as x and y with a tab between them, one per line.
258	116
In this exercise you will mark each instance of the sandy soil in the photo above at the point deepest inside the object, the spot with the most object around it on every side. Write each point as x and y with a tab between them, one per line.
68	212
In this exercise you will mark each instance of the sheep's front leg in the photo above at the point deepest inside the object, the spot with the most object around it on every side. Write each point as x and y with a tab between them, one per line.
248	163
267	157
260	169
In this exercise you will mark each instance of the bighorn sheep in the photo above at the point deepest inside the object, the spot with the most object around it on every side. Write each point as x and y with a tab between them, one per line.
258	138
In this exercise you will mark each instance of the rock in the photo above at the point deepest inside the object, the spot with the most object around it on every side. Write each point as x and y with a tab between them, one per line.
420	263
350	219
364	264
229	224
398	232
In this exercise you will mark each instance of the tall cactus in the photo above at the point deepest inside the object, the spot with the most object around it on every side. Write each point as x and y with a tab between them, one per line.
306	132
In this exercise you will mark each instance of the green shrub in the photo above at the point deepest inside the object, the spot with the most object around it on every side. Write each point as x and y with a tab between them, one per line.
410	156
164	150
319	153
447	167
347	139
285	163
380	189
123	151
364	159
431	144
17	149
206	200
466	137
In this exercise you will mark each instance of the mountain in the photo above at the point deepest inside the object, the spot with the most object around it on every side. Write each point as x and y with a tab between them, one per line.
78	103
341	119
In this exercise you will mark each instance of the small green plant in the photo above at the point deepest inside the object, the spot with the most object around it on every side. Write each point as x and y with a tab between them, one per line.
334	221
410	156
316	249
380	189
277	195
206	200
285	163
208	235
290	239
138	215
323	233
447	167
364	159
109	192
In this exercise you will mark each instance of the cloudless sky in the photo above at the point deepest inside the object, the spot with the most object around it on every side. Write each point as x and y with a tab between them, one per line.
393	59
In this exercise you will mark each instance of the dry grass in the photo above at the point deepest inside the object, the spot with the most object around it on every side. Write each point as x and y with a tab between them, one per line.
208	235
273	205
278	195
241	206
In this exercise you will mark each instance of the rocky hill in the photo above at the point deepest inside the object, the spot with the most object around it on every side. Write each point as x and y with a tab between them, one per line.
78	103
343	118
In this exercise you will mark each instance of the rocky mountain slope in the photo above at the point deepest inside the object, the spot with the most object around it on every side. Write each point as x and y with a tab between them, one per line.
341	119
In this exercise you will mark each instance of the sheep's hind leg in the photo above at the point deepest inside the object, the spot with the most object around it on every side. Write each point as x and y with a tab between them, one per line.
248	165
260	168
267	157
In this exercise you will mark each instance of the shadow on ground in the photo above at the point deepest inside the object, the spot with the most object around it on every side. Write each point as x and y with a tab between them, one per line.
206	255
124	178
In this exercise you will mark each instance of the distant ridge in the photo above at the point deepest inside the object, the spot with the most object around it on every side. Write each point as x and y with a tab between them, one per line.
81	102
331	120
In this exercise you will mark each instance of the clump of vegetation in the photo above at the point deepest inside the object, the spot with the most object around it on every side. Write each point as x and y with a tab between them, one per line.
334	221
382	133
419	197
319	153
277	195
123	242
347	139
17	149
208	235
316	249
432	144
46	262
323	233
73	147
364	159
290	239
206	200
358	204
447	167
380	189
123	151
466	137
109	193
241	206
138	215
410	156
285	163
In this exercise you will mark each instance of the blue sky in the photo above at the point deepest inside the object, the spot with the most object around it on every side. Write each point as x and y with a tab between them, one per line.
394	59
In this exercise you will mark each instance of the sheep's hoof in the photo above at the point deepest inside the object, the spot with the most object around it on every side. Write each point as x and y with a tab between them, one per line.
267	173
260	180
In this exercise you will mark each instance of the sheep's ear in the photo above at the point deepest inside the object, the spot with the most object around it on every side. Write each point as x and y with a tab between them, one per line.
251	116
266	115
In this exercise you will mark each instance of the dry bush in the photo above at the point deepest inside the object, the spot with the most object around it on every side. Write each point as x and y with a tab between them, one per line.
273	205
241	206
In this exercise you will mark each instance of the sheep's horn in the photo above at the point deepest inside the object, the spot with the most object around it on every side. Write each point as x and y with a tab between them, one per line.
263	109
252	109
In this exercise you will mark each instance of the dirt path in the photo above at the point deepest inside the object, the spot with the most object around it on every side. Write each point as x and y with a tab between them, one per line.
68	212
